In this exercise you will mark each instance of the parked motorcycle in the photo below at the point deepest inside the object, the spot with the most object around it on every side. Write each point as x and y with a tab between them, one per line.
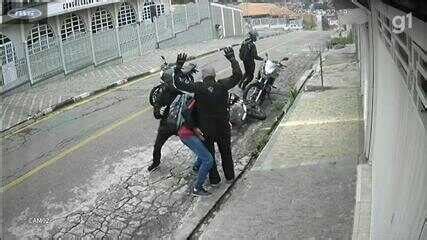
240	110
257	92
167	75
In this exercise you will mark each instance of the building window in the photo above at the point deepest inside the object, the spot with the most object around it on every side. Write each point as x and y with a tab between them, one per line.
101	21
7	6
160	9
7	50
41	37
72	27
146	12
126	15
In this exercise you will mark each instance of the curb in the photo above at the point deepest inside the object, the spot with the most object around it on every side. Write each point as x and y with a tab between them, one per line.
362	207
78	98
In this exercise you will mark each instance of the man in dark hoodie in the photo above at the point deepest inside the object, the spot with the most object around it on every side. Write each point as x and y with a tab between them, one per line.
248	54
165	130
212	100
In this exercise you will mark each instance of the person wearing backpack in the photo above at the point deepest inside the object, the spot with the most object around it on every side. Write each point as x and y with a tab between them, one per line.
192	137
248	54
165	131
211	96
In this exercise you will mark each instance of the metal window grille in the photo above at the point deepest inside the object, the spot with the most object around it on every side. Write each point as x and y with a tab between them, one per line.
7	50
127	14
160	9
146	13
410	59
41	37
7	6
72	27
101	21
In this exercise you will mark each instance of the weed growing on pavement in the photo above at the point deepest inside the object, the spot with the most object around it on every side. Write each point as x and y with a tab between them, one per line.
293	93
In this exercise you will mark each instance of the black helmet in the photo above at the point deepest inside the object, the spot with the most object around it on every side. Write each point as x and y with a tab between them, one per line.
253	34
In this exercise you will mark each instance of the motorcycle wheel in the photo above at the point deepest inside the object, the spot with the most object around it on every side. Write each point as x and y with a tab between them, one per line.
251	92
155	94
255	111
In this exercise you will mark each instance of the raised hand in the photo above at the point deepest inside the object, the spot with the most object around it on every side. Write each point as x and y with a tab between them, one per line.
180	60
229	53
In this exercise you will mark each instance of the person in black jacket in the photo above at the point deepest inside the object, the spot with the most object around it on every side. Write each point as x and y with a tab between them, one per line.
165	130
248	54
212	100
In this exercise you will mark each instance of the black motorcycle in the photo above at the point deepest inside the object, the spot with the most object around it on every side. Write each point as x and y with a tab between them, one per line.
167	71
257	92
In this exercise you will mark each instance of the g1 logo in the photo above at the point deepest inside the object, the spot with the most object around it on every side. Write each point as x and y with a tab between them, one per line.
399	23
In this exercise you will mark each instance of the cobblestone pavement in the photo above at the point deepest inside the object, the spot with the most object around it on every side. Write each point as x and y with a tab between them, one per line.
120	200
140	207
303	184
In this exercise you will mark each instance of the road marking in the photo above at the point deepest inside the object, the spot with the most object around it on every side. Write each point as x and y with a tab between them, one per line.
64	153
111	90
76	105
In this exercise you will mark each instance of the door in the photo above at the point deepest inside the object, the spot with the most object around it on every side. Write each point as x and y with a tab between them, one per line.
8	64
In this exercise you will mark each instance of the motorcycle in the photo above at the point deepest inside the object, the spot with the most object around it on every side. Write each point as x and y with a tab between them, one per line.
258	91
240	110
167	75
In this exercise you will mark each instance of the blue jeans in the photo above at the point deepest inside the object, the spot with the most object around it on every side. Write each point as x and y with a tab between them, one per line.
204	159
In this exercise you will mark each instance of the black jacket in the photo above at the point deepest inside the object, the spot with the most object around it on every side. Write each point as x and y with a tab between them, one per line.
253	52
212	100
168	95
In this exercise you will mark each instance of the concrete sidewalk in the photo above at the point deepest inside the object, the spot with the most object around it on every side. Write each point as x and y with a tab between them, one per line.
303	184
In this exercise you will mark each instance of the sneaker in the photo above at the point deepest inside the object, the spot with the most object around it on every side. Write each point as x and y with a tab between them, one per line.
215	184
201	192
153	167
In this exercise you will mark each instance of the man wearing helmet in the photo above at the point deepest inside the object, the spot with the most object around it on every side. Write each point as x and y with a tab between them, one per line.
248	54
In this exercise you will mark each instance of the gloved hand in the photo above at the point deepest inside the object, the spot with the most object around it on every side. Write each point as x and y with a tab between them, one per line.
180	60
229	54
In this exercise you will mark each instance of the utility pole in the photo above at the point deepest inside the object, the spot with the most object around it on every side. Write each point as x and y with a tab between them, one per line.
321	66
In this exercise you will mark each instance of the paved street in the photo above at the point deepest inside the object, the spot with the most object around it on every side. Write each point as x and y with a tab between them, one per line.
81	172
23	102
26	101
303	184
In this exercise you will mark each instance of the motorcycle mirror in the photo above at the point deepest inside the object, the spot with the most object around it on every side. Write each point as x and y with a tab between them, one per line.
285	59
163	58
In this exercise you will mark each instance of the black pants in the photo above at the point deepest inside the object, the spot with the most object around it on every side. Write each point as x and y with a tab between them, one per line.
224	145
163	134
249	73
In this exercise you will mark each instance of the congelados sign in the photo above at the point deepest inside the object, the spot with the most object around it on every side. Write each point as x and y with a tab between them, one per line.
24	13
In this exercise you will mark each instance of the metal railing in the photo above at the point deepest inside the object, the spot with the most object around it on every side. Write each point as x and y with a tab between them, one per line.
129	41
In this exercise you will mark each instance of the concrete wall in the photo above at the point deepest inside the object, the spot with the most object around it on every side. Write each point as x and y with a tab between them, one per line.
398	153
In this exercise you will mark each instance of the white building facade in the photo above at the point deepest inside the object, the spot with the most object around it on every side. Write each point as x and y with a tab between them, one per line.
392	43
74	34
